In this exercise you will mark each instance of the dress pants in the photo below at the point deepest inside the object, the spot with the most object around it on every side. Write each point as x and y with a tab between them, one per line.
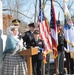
47	65
37	67
60	61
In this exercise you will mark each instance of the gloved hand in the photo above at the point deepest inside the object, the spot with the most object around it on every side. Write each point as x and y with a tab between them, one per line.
66	49
41	49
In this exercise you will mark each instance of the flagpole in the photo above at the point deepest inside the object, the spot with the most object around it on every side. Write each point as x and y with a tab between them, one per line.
43	73
58	15
35	12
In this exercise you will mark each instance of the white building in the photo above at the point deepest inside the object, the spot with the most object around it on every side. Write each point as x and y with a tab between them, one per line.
1	32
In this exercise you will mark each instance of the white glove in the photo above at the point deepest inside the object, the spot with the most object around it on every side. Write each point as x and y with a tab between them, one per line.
66	49
20	43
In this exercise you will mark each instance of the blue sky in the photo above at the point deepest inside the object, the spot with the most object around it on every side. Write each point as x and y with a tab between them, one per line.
46	10
57	10
30	7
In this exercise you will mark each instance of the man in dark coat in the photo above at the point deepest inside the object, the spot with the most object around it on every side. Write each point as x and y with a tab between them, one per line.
60	50
28	37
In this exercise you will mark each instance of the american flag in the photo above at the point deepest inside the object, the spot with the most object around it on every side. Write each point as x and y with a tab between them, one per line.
44	30
53	27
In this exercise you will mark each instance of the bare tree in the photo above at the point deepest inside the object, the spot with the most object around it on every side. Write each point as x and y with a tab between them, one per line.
29	9
60	4
16	8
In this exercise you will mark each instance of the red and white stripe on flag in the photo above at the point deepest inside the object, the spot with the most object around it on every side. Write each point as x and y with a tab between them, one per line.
44	31
53	26
54	33
45	35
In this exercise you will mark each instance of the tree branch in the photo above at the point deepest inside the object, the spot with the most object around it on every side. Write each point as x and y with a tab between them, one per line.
16	11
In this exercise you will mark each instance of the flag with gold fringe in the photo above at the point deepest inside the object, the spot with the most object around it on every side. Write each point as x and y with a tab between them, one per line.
54	33
44	31
69	30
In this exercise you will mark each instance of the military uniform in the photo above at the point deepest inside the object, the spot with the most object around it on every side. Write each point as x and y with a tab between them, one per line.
60	48
28	37
47	65
37	60
60	52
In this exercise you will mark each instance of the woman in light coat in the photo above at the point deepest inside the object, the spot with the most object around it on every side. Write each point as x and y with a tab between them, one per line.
13	64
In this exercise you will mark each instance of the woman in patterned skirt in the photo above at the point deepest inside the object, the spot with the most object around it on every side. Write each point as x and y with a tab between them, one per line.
13	64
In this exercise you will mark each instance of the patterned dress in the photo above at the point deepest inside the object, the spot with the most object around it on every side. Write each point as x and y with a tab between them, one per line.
13	64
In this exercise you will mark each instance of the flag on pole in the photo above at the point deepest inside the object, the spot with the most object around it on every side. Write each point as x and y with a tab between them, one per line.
68	29
44	31
68	24
53	27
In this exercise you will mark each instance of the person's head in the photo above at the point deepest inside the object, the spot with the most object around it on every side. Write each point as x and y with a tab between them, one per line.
59	25
16	22
36	34
14	31
31	26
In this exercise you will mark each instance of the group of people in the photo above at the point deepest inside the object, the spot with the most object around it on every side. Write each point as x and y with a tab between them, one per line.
14	64
63	53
